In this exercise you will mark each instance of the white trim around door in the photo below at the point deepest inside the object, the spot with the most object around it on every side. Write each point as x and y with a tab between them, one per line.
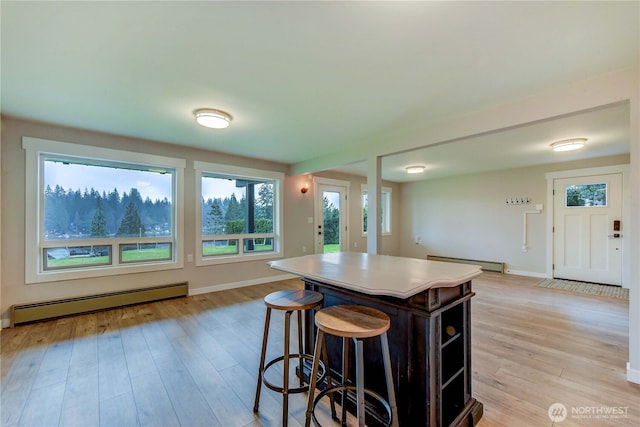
626	212
333	186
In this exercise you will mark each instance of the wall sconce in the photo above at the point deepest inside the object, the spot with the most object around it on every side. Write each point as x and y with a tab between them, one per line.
304	188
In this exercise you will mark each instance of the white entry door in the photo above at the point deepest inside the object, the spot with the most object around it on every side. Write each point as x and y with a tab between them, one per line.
331	216
587	228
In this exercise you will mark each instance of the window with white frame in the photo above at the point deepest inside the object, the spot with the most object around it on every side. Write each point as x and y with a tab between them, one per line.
239	213
586	195
93	211
385	210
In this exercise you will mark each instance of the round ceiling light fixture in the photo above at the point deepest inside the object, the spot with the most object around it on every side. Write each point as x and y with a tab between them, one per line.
415	169
214	119
568	144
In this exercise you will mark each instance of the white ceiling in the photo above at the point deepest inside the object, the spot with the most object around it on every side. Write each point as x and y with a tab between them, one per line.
607	131
305	80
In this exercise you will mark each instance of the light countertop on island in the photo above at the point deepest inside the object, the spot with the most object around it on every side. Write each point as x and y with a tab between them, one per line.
378	274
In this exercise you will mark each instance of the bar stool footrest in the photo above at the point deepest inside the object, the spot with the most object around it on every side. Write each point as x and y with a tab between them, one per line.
383	402
322	371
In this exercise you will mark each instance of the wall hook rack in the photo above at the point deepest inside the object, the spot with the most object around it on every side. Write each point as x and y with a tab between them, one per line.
517	200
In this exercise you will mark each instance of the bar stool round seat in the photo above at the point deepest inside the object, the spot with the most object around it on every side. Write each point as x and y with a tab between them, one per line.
287	301
293	299
353	322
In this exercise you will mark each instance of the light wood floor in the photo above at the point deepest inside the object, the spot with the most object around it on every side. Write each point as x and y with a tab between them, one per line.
533	347
193	361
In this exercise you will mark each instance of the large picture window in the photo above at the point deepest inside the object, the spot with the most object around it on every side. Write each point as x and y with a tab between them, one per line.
99	211
239	213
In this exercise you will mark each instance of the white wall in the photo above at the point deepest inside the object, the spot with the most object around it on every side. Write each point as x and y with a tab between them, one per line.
467	217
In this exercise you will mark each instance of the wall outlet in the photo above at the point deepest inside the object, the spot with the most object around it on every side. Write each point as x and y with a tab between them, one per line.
304	249
189	258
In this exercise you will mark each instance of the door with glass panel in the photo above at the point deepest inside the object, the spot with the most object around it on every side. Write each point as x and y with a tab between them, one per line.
588	229
330	225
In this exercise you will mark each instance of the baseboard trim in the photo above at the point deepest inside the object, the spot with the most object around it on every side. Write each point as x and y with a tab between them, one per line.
526	273
495	266
6	323
241	284
633	375
53	309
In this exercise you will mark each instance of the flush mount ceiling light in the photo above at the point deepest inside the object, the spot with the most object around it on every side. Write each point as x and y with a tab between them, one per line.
211	118
568	144
415	169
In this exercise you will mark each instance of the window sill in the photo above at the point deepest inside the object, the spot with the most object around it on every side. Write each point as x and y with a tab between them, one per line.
229	259
84	273
383	234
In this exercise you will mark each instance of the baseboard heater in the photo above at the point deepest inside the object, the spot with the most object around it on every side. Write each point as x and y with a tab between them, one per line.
23	313
498	267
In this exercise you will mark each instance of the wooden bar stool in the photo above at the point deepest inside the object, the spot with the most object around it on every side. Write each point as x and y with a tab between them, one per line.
356	322
288	301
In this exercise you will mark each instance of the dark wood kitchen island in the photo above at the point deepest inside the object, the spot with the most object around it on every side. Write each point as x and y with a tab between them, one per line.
429	303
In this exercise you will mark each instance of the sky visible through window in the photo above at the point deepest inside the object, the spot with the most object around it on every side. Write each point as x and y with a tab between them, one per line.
333	197
154	185
216	188
149	184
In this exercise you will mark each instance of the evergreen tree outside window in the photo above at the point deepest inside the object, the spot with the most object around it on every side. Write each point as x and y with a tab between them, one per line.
264	204
586	195
216	221
131	226
331	216
99	222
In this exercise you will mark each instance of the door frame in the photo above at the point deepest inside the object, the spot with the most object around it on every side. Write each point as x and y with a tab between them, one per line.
626	213
317	181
